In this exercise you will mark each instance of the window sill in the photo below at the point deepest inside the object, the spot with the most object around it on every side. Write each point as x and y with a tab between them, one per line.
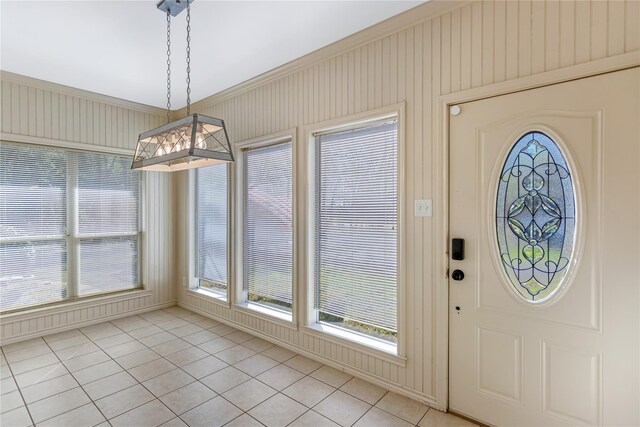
210	295
359	342
270	314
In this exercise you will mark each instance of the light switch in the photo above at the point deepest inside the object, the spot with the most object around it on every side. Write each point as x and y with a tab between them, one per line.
423	208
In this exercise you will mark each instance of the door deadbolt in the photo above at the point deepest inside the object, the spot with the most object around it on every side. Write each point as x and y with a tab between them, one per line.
457	249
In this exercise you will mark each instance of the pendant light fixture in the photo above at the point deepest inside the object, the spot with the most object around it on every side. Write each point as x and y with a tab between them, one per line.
193	141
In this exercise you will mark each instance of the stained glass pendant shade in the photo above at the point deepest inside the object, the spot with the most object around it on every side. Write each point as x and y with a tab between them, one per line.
536	217
190	142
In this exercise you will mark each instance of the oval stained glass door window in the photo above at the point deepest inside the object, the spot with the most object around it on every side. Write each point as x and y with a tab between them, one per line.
535	217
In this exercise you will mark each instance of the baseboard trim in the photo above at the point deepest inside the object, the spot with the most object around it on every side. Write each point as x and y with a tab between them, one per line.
84	323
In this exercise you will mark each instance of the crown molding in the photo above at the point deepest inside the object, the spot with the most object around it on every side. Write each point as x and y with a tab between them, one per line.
395	24
7	76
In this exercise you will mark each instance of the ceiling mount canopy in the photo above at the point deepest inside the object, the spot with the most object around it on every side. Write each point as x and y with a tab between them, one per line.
173	7
190	142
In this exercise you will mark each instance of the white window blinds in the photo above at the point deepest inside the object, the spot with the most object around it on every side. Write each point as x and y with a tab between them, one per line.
108	223
108	194
33	225
212	226
356	225
59	209
268	225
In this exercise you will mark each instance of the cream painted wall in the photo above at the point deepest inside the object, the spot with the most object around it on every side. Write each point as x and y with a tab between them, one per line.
437	49
415	57
44	113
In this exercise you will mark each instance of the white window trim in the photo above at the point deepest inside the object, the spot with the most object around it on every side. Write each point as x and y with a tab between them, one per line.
193	282
311	314
73	237
240	300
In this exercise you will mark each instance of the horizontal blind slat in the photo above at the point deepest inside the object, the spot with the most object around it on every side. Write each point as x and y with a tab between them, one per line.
34	206
108	202
108	265
268	228
212	223
33	191
32	273
108	194
356	225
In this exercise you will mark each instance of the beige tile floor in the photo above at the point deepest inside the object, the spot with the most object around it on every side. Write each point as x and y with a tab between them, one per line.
174	368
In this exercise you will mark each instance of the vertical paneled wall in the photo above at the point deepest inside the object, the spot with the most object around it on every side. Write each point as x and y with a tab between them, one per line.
473	45
37	109
33	111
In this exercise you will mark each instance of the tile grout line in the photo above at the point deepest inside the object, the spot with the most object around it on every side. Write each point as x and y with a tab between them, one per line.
137	381
324	382
124	370
423	417
24	402
219	394
79	385
281	391
233	366
243	413
177	367
196	380
373	406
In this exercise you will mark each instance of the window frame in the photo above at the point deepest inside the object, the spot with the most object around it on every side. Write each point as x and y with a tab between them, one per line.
194	281
240	299
311	322
73	237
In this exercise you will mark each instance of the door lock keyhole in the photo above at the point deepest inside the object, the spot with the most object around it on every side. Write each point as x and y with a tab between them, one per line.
457	275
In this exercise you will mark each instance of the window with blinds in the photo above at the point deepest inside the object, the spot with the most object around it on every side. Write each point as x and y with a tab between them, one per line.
69	225
212	227
268	225
33	225
356	229
108	223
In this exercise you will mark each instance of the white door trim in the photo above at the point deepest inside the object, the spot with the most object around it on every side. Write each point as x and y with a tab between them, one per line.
440	164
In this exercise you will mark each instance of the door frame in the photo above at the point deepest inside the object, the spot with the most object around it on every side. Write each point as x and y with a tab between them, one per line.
440	165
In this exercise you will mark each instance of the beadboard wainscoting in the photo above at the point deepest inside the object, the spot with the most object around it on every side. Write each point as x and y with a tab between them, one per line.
43	113
437	49
434	50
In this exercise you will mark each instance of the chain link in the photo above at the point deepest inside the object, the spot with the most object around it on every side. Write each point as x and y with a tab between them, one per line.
168	67
188	57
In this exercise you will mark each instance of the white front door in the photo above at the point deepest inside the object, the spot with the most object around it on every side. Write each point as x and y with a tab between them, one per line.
545	191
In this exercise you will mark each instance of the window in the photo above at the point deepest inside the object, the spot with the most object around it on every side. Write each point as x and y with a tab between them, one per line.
69	225
212	228
268	225
356	229
535	217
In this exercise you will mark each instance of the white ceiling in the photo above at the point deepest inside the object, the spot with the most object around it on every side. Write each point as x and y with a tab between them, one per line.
118	47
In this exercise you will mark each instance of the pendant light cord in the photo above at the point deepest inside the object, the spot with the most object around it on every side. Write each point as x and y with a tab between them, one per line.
188	57
168	67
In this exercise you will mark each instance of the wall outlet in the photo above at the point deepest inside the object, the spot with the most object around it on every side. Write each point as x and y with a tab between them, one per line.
423	208
184	282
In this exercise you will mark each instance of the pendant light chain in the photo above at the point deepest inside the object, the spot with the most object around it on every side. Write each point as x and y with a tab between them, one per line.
168	67
188	57
181	143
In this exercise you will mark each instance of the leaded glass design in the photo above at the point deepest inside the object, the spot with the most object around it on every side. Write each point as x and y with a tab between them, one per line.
535	216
